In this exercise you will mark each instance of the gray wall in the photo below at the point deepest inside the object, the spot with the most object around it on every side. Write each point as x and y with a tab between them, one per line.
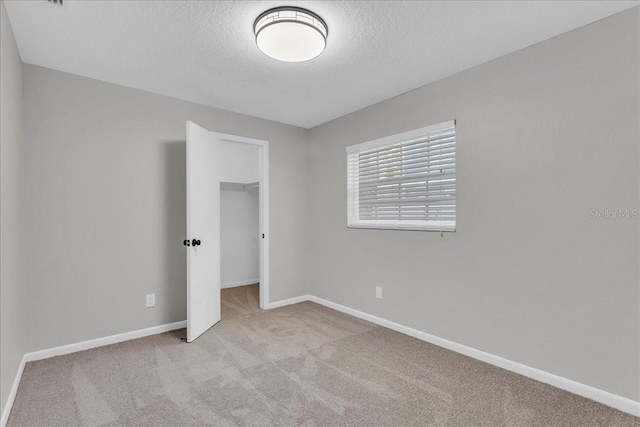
239	235
105	205
11	265
544	135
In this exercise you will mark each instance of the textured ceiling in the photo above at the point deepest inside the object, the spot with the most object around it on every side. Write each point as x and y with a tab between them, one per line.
205	51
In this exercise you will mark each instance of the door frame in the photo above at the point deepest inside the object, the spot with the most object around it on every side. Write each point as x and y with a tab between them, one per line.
263	208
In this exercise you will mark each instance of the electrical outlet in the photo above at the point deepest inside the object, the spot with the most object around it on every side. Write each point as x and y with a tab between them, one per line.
379	292
151	300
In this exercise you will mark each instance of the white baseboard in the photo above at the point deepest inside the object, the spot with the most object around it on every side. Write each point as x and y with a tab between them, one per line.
241	283
289	301
613	400
12	394
99	342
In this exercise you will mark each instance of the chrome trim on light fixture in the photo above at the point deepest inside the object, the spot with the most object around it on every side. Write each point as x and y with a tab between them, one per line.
323	29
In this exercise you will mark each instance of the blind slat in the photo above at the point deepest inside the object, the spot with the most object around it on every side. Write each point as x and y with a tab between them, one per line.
414	149
400	149
447	174
439	157
410	202
402	170
382	191
409	145
405	195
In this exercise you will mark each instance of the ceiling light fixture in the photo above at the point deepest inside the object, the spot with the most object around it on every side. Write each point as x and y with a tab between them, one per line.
290	34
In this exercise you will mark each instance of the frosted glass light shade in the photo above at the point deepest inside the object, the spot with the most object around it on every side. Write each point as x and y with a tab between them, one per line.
290	34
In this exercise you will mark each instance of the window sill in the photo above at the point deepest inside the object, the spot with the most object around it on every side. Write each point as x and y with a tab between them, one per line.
405	227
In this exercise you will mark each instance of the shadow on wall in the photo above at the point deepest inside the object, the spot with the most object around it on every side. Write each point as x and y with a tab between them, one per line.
175	224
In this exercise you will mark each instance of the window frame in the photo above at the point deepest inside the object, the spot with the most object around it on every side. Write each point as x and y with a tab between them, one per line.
353	192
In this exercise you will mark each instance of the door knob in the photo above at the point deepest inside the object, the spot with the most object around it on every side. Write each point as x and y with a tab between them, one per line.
195	242
186	243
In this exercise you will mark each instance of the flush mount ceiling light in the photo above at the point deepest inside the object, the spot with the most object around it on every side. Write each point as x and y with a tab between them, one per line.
290	34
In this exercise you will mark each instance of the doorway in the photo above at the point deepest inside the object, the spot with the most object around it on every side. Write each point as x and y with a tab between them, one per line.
240	248
214	158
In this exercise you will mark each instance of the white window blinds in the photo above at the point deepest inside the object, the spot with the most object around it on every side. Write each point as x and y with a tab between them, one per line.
405	181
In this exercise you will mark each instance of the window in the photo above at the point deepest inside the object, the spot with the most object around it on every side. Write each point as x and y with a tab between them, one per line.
405	181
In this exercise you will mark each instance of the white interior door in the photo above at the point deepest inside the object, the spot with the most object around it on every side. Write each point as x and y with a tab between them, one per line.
203	230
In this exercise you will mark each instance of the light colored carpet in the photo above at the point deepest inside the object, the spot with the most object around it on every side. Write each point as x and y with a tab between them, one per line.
239	301
301	365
